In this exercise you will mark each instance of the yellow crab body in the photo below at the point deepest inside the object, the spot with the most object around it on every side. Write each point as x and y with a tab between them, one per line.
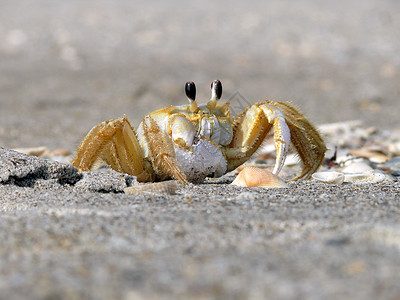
197	139
190	142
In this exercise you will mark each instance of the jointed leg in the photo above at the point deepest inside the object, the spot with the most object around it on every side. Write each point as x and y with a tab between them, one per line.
161	152
305	138
115	143
250	130
252	126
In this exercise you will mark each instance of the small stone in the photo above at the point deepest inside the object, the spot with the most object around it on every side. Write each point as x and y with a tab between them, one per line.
105	181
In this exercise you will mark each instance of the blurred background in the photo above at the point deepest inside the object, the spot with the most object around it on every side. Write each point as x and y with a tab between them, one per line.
65	66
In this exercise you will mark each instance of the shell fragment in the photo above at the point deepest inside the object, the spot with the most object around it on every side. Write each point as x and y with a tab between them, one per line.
165	187
361	178
256	177
332	177
357	167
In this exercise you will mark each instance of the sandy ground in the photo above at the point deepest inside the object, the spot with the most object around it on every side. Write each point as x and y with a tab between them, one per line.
66	66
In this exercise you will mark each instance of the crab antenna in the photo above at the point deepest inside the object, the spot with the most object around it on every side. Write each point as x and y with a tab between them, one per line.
190	90
216	93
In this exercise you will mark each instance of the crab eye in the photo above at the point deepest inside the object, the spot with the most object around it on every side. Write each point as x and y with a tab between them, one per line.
190	90
218	88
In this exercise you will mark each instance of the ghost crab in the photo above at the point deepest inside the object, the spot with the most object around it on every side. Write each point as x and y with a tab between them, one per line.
191	142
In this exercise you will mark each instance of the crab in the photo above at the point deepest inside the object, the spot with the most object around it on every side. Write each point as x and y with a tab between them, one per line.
190	142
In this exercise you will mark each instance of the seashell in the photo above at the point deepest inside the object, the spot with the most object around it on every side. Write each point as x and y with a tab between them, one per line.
357	167
394	148
391	165
329	177
379	158
35	151
43	151
253	165
373	156
256	177
57	152
364	178
165	187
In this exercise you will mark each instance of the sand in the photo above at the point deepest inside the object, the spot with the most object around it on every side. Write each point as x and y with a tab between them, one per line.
68	66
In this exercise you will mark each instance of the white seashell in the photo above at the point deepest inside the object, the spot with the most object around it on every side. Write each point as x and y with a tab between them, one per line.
364	178
329	177
357	167
379	158
256	177
394	148
348	159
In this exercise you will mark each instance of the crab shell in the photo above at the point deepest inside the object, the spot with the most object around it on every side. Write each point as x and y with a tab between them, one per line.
198	139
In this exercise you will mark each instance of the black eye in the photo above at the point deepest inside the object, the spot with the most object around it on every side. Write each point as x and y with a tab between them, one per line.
218	88
190	90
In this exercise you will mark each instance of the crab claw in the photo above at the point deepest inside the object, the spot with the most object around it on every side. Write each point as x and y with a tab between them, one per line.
281	134
182	131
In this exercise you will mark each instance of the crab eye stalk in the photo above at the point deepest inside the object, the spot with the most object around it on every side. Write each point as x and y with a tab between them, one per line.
216	93
190	90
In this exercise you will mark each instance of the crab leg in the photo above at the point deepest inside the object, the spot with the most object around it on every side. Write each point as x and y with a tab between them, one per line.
305	139
252	126
161	151
115	143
